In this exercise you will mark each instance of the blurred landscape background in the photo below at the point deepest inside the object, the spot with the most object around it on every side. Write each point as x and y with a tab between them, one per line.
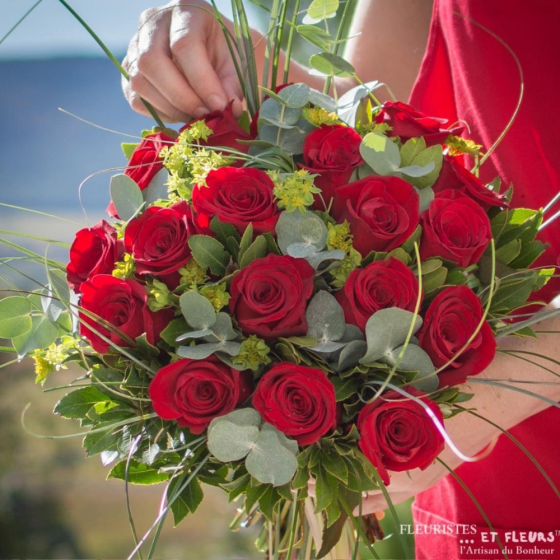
55	503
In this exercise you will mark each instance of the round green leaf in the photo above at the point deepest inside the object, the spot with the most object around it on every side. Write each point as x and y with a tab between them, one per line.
197	310
269	461
15	316
380	153
43	333
321	9
386	330
328	64
325	318
126	196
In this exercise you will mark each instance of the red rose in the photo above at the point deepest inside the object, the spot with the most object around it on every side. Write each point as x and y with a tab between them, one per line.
333	152
145	162
407	122
455	228
194	392
383	212
454	176
124	305
396	433
95	251
226	131
299	401
450	321
158	239
268	297
379	285
237	196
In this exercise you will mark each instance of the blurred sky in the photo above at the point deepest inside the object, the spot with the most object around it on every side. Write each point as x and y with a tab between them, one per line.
51	31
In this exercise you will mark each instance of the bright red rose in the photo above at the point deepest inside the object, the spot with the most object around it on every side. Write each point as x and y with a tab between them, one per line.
333	152
124	305
226	131
158	239
396	433
194	392
456	228
145	162
238	196
299	401
383	212
269	297
95	251
379	285
407	122
450	321
454	176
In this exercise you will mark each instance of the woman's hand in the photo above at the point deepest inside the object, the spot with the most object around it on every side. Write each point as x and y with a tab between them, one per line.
180	63
503	407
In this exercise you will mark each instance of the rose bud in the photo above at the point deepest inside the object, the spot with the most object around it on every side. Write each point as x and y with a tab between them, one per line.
379	285
406	122
383	212
238	196
145	162
95	251
450	321
454	176
455	228
226	131
299	401
194	392
396	433
269	297
333	152
124	305
158	239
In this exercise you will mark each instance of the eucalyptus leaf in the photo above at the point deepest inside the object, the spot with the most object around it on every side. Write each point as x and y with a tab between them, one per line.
193	334
426	197
380	153
295	96
328	64
197	310
301	250
351	355
231	442
411	148
322	100
295	227
433	154
223	328
386	330
269	461
275	114
42	334
198	352
126	196
416	359
350	102
417	170
15	316
316	259
157	188
325	318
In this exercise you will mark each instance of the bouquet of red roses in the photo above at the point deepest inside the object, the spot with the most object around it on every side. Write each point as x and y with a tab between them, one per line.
294	297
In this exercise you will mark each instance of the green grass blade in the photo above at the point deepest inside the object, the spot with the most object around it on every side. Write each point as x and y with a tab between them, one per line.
38	212
290	43
35	237
514	353
20	21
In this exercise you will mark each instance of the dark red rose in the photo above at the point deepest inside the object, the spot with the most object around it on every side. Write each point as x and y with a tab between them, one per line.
379	285
145	162
237	196
226	131
396	433
95	251
194	392
268	297
383	212
450	321
407	122
333	152
124	305
454	176
456	228
254	127
158	239
299	401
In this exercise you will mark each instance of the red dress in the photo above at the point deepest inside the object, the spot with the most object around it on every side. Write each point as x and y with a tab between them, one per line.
468	75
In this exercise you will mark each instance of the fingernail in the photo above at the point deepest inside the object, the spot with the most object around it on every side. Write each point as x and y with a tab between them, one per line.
216	102
200	112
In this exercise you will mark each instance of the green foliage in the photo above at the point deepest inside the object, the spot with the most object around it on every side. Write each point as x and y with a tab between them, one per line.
79	403
209	253
15	316
138	473
126	196
187	502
